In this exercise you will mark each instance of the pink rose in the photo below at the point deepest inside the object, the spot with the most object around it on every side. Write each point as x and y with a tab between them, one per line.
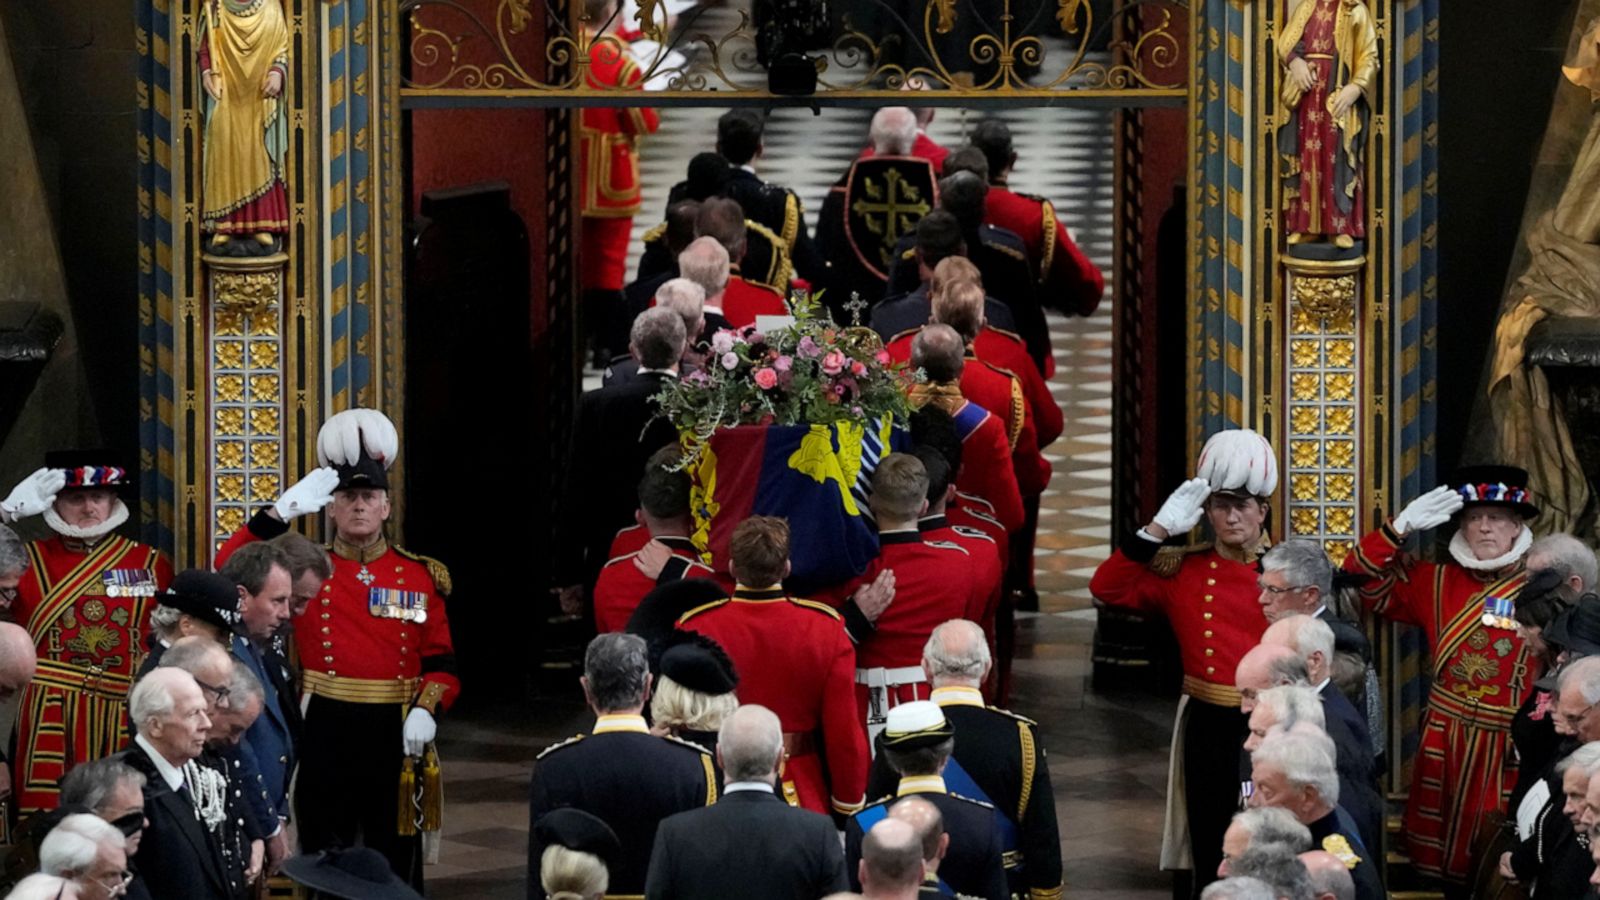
833	362
783	363
730	361
858	369
808	348
766	379
882	356
722	342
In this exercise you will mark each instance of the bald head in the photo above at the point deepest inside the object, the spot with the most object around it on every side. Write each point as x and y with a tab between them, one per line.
17	658
957	654
750	744
894	131
1330	878
1307	635
939	351
928	823
891	857
1266	666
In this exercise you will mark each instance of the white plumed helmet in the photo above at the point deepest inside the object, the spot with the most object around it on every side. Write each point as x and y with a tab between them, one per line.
1238	461
346	435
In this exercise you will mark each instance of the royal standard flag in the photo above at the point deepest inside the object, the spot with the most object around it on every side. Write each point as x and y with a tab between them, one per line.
815	476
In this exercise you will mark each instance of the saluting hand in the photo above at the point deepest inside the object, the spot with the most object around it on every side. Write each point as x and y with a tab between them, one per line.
33	495
1182	510
1428	511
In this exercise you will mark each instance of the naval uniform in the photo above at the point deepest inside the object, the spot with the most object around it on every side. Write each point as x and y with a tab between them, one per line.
999	758
974	863
627	777
794	657
1210	597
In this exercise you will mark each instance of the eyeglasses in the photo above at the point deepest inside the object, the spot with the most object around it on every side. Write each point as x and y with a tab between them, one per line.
220	692
129	824
120	886
1280	591
1572	719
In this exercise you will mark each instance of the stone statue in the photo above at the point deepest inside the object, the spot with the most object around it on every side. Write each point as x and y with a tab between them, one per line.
1562	280
1329	50
244	65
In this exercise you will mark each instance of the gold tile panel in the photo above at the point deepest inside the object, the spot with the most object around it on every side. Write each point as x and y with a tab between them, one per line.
228	388
1341	454
264	421
230	519
1303	353
1341	420
1304	520
264	454
1305	419
1341	353
264	388
264	487
1305	385
1341	386
1341	520
229	354
230	455
1304	454
230	421
1340	488
230	488
263	354
1303	487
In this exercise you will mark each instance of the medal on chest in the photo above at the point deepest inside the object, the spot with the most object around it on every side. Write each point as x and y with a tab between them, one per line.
1497	613
389	603
128	583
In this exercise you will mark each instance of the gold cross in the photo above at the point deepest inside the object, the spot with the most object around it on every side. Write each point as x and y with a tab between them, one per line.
896	207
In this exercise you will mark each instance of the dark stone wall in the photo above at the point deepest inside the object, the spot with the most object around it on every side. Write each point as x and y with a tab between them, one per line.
1499	66
75	65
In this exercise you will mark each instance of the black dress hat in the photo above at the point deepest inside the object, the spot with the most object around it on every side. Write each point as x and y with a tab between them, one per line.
656	617
98	469
365	473
575	829
699	664
1495	486
1578	629
356	874
207	596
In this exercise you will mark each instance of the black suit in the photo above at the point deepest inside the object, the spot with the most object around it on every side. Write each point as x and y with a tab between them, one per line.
1358	783
615	432
177	859
1335	833
973	865
631	781
896	315
750	844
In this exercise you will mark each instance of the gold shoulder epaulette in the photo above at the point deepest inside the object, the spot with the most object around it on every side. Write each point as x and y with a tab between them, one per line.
558	745
1018	716
909	254
1010	334
436	570
683	743
1009	251
817	605
1168	561
700	609
1001	369
655	233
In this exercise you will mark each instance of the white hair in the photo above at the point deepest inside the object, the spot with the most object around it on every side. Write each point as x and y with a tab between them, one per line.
1239	889
1292	704
1567	556
1303	762
751	743
894	131
151	700
70	849
1584	676
1303	562
684	297
39	887
1311	635
706	263
164	619
1585	758
1271	825
942	662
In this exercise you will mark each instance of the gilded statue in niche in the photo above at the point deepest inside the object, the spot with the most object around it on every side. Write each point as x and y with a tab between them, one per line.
244	68
1329	52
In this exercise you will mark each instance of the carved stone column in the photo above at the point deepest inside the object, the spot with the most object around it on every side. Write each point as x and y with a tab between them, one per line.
245	436
1322	378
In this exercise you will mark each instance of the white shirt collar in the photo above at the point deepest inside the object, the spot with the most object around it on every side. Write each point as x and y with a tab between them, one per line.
171	774
1322	684
1317	613
748	168
672	372
737	786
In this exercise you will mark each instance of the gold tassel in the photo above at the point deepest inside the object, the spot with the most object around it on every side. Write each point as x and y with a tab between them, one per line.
432	791
407	824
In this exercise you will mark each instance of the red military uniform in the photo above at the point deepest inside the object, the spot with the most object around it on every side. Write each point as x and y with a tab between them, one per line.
1069	280
1004	350
1464	766
986	468
934	582
793	657
744	300
87	609
988	572
628	540
621	585
996	389
1211	600
975	513
608	162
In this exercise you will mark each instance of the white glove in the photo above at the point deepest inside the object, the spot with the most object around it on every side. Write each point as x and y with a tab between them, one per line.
1428	511
308	495
1184	507
33	495
346	434
419	731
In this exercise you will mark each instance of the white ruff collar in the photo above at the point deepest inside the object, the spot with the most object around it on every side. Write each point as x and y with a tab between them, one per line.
119	514
1464	558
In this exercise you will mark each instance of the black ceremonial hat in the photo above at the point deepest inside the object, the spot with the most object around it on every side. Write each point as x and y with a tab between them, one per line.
99	469
699	664
578	830
1495	486
205	595
366	473
359	873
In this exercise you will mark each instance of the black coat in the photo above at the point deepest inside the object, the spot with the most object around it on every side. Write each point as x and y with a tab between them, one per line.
177	859
1335	833
631	781
750	844
1358	781
973	865
616	429
896	315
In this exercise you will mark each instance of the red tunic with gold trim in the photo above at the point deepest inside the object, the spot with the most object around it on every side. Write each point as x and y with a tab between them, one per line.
1070	281
794	658
87	610
1004	350
744	300
1482	673
608	156
621	585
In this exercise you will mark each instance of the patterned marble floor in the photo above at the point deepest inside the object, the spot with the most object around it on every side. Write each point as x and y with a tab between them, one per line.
1107	752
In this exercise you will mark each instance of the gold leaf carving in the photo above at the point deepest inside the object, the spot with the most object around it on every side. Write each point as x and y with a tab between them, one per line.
264	454
1340	488
1304	385
1325	298
264	487
1304	520
230	455
246	292
1303	487
264	421
1305	419
1341	386
263	354
230	421
264	388
1304	454
230	487
1337	550
228	323
1340	519
229	354
1341	353
229	388
1341	454
1341	420
1303	353
230	519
